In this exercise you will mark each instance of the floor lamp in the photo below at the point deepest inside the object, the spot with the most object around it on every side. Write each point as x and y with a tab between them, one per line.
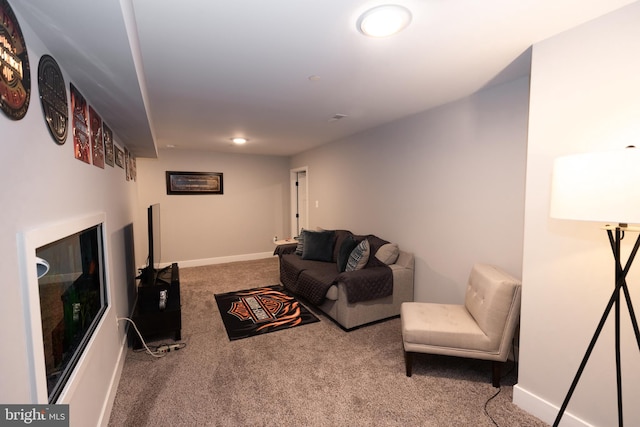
602	187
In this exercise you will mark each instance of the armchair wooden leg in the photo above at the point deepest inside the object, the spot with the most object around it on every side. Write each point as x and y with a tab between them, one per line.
408	361
497	371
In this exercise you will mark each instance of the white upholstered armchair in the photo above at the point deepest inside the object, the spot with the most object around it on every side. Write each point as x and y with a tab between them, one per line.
482	328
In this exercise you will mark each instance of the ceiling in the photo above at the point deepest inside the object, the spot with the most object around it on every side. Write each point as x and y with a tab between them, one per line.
194	73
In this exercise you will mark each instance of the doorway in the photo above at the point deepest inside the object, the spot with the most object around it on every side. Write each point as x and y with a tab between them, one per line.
299	200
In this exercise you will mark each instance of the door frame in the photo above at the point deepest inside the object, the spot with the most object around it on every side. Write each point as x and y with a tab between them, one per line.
293	174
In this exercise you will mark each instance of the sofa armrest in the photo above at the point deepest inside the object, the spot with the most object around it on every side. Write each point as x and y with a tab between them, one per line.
367	284
405	259
288	248
362	274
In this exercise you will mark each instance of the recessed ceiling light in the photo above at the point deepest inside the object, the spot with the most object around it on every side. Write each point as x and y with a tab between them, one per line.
383	21
239	140
171	146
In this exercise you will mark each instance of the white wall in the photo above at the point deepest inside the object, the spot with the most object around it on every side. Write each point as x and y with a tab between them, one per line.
446	184
585	97
43	184
205	229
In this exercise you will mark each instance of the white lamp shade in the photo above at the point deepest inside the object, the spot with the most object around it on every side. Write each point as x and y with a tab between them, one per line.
600	187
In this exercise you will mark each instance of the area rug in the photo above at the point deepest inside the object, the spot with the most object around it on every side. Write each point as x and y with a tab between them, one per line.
259	311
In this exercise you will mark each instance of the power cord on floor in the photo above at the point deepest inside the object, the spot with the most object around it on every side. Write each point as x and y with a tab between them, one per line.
164	348
486	404
159	350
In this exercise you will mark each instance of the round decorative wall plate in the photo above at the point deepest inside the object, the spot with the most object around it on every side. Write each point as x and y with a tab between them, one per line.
53	97
15	76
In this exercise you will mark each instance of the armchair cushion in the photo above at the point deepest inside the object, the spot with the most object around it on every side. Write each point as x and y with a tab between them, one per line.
442	325
490	299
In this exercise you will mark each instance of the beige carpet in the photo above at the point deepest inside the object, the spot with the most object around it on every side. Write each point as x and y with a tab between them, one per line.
313	375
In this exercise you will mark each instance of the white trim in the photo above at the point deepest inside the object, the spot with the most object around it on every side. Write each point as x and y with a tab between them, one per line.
28	242
544	410
292	216
221	260
77	373
113	384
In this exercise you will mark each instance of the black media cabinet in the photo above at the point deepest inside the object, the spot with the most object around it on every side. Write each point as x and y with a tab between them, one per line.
153	321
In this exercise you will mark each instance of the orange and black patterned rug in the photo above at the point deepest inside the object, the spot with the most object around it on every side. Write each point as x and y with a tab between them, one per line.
261	310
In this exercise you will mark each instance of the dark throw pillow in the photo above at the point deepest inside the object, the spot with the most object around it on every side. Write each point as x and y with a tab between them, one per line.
318	245
359	256
300	245
348	245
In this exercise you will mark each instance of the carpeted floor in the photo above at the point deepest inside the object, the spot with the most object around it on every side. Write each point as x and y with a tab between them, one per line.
316	375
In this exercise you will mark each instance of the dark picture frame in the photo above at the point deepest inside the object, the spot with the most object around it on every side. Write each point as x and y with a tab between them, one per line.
119	156
107	135
194	182
80	125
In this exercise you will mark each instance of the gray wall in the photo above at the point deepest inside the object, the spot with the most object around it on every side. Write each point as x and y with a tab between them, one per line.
43	185
441	184
585	97
446	184
204	229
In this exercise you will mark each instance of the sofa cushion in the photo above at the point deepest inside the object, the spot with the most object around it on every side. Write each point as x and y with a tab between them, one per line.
318	245
347	246
388	253
314	283
359	256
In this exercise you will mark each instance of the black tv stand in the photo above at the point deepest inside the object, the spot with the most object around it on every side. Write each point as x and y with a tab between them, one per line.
153	319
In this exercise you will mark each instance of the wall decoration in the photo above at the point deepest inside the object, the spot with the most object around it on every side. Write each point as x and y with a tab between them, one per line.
15	74
108	144
53	97
194	182
95	132
119	156
127	166
133	168
81	145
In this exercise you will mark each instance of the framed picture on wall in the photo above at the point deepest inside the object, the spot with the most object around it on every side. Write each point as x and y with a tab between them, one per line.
194	182
95	135
119	156
107	135
80	124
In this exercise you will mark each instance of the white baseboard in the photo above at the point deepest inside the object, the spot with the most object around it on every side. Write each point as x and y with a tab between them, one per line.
115	380
544	410
222	260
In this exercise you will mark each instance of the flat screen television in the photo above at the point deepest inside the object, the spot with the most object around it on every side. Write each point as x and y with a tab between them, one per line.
153	232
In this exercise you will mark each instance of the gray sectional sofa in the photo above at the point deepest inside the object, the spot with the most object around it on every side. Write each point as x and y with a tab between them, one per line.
353	279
